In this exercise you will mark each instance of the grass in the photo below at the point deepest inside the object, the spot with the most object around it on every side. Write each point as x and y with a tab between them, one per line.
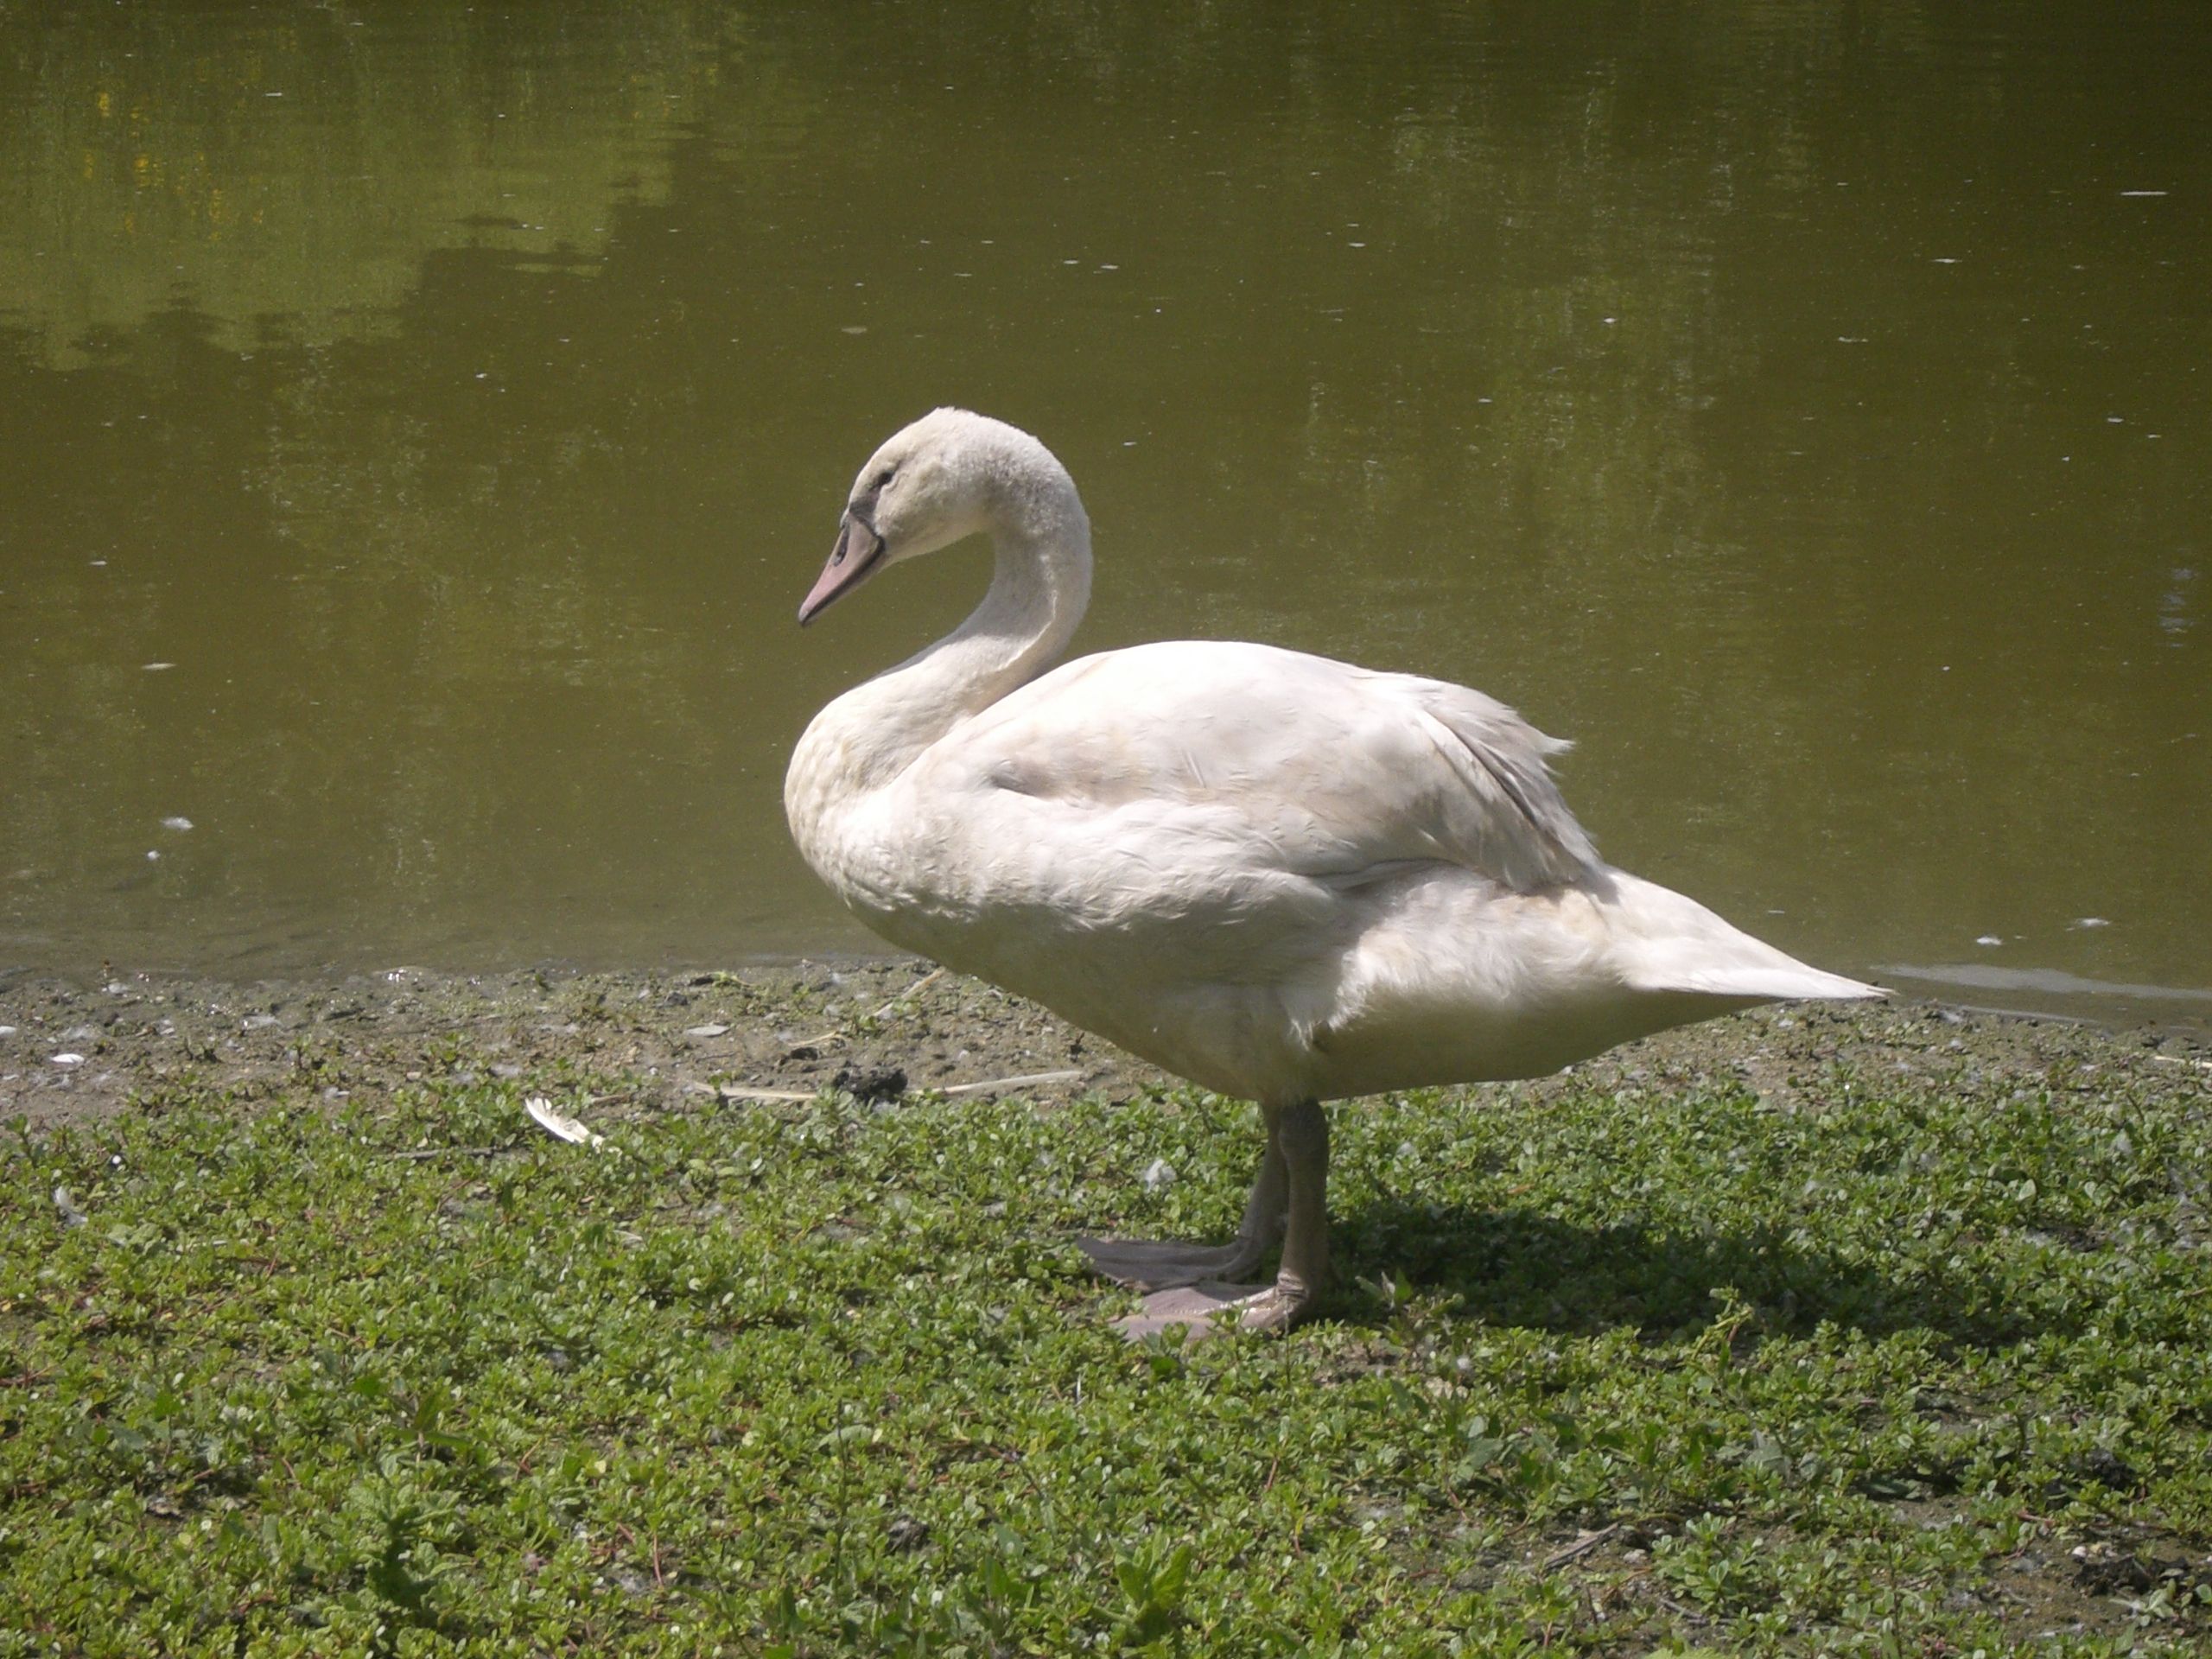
1611	1372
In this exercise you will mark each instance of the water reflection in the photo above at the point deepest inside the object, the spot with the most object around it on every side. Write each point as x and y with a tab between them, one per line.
294	166
1799	414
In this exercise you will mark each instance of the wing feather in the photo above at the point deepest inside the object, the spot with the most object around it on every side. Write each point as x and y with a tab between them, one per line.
1311	767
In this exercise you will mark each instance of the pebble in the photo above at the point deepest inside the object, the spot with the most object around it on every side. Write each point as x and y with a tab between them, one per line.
1158	1175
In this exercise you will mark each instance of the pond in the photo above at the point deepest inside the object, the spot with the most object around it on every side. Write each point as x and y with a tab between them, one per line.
417	426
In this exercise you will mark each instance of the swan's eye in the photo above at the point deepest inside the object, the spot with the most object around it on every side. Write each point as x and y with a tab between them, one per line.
883	479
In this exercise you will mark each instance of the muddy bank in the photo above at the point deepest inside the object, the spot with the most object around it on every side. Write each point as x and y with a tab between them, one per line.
679	1040
70	1051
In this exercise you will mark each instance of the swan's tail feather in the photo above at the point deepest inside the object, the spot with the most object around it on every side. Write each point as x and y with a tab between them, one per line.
1790	981
1667	943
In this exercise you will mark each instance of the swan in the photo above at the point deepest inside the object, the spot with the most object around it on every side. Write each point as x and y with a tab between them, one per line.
1286	879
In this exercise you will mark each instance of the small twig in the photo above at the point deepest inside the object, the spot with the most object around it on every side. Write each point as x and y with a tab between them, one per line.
1022	1082
745	1092
418	1153
1581	1546
918	987
2183	1059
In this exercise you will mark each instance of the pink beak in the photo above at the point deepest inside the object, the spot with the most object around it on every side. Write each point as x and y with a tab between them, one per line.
859	550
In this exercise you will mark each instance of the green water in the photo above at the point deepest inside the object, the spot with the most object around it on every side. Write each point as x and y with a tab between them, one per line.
1804	407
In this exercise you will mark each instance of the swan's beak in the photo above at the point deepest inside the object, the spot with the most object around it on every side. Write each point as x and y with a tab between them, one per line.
859	550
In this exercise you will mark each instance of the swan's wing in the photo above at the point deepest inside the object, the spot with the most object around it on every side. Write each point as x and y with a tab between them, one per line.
1312	767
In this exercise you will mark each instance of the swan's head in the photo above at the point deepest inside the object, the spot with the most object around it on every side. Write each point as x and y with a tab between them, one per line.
949	474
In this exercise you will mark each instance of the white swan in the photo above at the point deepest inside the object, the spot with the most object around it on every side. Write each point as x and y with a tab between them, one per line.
1283	877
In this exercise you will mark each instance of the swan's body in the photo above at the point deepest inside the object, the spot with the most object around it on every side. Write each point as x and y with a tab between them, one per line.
1281	876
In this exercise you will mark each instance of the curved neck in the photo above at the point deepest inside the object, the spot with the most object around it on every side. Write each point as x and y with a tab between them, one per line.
1038	595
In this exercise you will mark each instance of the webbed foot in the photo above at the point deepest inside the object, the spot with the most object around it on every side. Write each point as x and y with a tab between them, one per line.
1169	1264
1207	1309
1194	1286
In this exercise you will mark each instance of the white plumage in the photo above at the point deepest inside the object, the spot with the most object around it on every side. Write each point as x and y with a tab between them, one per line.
1281	876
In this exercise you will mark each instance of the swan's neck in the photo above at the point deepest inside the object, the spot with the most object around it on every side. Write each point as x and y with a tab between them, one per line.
1037	596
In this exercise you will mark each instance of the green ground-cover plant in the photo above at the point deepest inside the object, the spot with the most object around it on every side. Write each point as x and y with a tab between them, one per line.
1611	1369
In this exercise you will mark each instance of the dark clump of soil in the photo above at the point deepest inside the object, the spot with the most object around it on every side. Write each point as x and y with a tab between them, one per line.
874	1084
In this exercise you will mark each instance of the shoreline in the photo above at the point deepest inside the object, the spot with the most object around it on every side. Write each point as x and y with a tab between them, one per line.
77	1052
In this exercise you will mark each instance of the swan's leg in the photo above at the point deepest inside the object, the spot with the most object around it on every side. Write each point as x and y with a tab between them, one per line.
1145	1264
1305	1270
1301	1133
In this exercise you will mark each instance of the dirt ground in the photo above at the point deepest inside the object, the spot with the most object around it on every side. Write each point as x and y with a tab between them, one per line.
81	1051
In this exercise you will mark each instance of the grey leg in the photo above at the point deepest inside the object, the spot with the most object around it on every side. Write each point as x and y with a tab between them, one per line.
1305	1270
